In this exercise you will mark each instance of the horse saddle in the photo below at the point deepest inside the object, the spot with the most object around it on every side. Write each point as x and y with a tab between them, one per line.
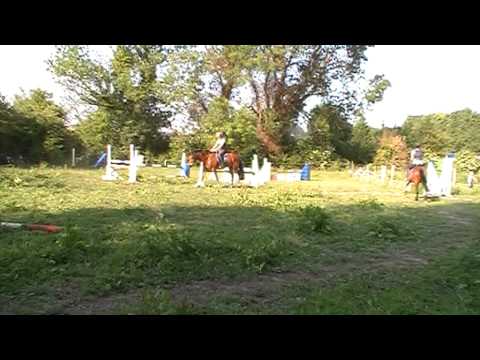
222	159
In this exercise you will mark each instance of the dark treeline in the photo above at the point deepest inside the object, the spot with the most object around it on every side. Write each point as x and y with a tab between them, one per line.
167	99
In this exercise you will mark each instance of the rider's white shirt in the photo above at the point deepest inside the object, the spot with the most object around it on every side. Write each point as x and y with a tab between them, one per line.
413	160
218	145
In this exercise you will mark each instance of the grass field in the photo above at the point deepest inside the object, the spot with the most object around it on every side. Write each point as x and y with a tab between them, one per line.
333	245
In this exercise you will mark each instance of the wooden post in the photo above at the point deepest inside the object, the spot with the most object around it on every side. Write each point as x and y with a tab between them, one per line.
73	157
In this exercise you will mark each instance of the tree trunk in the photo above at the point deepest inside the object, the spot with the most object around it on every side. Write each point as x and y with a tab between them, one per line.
269	144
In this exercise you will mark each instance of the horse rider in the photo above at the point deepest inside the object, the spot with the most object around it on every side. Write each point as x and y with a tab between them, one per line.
416	159
220	147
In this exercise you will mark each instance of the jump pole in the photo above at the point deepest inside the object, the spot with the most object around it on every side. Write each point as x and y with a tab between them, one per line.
200	182
110	174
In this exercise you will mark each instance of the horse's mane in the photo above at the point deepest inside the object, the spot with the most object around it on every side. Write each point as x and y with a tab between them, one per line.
199	151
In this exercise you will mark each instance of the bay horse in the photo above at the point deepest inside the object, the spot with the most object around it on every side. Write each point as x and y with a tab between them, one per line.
416	175
212	164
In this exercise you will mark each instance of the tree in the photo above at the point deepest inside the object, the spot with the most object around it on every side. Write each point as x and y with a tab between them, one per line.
429	131
277	80
127	90
376	90
47	123
364	142
392	150
18	135
282	78
239	126
462	128
329	129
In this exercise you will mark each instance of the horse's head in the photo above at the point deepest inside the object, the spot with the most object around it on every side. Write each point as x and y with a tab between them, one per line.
194	156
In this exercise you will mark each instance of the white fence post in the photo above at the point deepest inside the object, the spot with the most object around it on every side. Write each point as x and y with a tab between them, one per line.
383	173
132	169
392	173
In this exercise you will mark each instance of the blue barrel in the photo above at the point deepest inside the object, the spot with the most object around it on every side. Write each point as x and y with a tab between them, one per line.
305	173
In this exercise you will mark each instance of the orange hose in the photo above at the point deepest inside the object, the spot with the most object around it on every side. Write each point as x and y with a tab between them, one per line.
47	228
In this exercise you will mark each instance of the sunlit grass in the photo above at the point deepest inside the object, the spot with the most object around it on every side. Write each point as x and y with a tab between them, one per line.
162	230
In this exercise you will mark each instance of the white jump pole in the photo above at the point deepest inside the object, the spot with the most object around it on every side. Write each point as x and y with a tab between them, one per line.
265	173
73	157
110	173
200	182
256	171
132	169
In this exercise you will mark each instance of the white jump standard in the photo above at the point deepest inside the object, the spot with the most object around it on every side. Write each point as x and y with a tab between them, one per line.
133	163
254	176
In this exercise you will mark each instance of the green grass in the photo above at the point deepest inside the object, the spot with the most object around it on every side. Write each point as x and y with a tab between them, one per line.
162	235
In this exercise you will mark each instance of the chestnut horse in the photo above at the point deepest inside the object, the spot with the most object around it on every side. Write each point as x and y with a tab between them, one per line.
416	175
211	163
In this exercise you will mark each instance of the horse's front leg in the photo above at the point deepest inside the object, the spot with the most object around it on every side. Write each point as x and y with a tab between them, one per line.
417	187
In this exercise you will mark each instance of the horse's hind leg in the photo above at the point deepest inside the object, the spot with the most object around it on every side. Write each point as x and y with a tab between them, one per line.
416	191
232	174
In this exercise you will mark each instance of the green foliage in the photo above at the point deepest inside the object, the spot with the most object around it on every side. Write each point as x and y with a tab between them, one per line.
329	129
441	133
305	151
466	161
377	87
34	130
132	97
239	125
314	219
126	92
364	142
392	150
40	108
280	79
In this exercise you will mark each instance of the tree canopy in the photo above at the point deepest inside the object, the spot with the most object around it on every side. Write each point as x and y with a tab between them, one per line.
168	99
